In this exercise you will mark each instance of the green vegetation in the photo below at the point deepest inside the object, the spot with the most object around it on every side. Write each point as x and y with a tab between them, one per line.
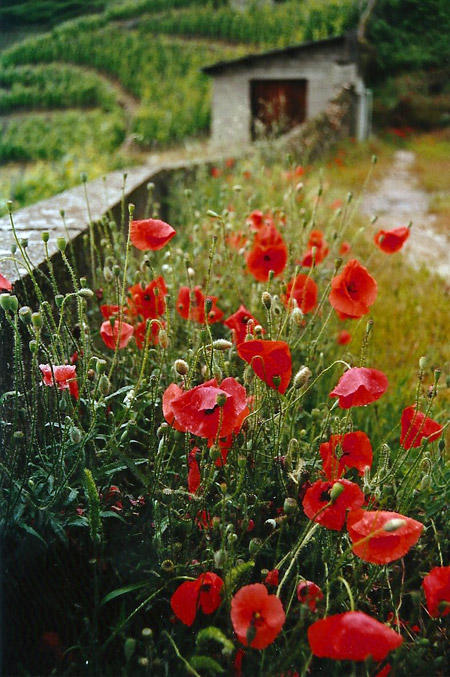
45	11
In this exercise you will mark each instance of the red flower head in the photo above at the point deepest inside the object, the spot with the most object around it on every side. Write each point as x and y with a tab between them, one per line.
194	477
352	636
353	291
215	172
5	285
65	377
345	248
110	334
199	412
272	577
170	394
436	585
195	310
140	332
354	451
238	323
146	302
416	426
309	593
319	495
390	241
150	234
108	311
236	240
257	617
317	240
204	592
304	290
270	360
268	252
360	386
380	537
343	338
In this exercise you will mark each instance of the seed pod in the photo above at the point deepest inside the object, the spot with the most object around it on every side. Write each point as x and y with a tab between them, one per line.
290	506
25	314
104	385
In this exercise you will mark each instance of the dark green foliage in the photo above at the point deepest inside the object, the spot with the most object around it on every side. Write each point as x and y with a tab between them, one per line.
52	12
408	34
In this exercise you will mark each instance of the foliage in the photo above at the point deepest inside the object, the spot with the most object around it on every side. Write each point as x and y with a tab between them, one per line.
48	11
102	486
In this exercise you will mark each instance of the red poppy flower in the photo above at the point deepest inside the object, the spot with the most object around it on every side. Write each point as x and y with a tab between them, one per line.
239	323
345	248
197	410
236	240
372	542
5	285
354	451
384	671
215	172
316	499
112	338
140	332
359	386
317	240
270	360
336	204
65	377
353	291
170	394
150	234
390	241
195	310
109	310
436	585
309	593
416	426
352	636
304	290
272	577
203	593
268	252
146	302
194	477
343	338
257	617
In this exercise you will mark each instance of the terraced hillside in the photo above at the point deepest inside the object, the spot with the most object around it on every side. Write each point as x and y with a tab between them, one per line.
99	92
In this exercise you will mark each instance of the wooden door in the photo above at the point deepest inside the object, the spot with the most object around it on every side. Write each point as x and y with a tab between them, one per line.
277	105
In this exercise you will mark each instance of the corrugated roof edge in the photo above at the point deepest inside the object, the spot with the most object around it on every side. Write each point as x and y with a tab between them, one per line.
349	38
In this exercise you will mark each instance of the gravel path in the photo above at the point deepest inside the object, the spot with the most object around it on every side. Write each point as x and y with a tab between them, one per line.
398	201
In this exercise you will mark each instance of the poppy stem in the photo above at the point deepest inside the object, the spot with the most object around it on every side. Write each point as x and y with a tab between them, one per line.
349	592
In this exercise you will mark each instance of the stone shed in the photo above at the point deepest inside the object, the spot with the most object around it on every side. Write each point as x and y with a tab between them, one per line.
277	90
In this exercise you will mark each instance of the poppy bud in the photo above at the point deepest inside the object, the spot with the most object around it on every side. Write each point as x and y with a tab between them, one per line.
242	462
36	319
315	413
90	374
75	435
116	270
131	208
394	524
254	546
232	538
220	558
13	248
25	314
208	305
61	244
147	634
107	274
266	299
336	491
13	303
86	293
270	525
425	482
222	344
24	242
289	506
162	429
212	214
423	363
191	273
297	316
214	452
181	367
100	366
33	346
59	298
45	236
104	384
276	380
163	339
302	377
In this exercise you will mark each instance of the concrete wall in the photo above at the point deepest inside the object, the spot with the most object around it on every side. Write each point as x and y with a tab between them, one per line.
326	68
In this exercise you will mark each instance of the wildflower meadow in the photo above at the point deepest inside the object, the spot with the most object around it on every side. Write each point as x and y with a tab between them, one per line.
207	470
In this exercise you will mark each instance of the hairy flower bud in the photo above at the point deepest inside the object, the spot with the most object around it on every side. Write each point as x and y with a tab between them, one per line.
302	377
266	300
181	367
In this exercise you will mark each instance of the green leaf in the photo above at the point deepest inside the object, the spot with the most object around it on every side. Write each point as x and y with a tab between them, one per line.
121	391
206	663
31	531
236	574
212	633
123	591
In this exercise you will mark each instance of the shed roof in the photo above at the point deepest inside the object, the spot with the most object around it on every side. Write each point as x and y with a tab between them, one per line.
348	41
